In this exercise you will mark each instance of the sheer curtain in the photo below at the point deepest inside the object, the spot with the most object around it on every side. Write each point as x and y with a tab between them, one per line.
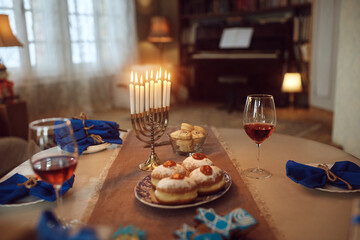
72	52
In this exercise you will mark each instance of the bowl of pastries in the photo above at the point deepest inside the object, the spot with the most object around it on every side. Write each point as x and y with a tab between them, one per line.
188	139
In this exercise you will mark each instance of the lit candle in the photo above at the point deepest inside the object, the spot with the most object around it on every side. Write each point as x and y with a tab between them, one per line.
159	94
151	93
156	95
137	95
168	92
164	93
141	95
160	74
146	94
131	90
152	74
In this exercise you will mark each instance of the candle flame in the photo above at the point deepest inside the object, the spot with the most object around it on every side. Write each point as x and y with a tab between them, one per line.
169	77
165	74
141	79
132	77
157	75
147	75
160	73
136	78
152	74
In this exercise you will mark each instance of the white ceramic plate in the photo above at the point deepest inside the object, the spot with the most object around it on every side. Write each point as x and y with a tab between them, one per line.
331	188
145	194
96	148
26	170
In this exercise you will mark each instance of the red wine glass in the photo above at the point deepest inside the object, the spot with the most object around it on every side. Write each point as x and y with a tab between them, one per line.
54	153
259	122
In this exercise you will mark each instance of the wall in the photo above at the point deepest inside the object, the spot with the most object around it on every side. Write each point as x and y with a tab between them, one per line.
346	127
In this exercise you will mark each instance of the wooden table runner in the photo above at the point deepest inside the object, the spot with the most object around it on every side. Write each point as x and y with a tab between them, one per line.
117	204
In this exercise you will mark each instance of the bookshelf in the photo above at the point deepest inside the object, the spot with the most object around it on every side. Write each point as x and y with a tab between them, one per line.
290	18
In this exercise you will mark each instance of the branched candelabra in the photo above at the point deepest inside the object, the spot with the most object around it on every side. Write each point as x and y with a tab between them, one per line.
149	108
148	128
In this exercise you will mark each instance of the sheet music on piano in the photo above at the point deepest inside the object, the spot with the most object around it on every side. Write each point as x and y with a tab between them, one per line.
238	37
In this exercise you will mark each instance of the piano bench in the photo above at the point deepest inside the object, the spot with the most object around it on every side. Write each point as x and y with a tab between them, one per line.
233	83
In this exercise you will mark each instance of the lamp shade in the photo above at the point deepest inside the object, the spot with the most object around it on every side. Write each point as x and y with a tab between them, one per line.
292	83
7	38
159	30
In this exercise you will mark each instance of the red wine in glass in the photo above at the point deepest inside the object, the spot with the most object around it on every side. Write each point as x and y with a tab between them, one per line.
259	120
55	169
259	132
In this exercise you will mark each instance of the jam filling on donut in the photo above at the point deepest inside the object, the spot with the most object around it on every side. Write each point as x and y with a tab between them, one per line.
206	170
198	156
169	163
178	176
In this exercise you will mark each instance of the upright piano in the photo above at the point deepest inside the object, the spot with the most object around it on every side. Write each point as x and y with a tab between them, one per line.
263	63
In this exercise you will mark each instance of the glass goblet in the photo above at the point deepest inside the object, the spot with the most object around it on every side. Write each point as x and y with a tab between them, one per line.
259	122
53	154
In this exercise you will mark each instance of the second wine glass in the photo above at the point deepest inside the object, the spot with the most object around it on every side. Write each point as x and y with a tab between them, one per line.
259	122
54	154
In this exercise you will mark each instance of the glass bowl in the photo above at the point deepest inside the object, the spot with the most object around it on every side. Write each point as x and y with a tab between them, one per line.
187	147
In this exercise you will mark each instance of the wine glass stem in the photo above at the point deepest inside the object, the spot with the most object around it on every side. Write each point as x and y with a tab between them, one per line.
258	156
59	201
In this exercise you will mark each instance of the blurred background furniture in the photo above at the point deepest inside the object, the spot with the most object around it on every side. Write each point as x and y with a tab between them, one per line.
14	120
13	151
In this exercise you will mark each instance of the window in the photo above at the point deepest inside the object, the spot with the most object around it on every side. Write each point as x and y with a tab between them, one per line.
82	31
74	31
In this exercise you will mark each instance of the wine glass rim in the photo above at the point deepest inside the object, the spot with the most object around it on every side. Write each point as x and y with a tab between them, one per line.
66	121
260	95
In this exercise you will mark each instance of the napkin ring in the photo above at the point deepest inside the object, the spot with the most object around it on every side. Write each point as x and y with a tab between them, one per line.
31	182
332	177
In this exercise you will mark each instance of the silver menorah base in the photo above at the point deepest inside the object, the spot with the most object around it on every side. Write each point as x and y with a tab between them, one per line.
149	127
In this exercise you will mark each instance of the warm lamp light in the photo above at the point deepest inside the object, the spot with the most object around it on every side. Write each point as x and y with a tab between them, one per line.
7	38
159	30
160	33
292	84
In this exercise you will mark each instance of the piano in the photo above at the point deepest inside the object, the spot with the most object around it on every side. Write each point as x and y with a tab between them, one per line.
263	63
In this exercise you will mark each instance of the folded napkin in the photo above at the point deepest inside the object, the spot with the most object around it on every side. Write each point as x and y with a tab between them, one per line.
10	190
50	228
314	177
89	132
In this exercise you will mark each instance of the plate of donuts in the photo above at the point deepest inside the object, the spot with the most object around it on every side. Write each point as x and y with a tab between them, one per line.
145	193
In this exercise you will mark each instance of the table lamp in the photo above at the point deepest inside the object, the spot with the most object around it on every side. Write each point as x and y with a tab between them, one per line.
291	84
7	39
159	32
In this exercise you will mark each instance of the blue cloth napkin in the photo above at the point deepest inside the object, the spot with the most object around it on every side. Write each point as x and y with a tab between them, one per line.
107	130
10	191
49	228
314	177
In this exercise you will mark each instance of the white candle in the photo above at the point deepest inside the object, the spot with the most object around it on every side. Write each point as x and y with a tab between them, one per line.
156	95
164	93
159	94
146	95
141	95
137	95
168	92
151	93
131	91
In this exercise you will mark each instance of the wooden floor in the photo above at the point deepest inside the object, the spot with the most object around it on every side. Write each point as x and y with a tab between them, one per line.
311	123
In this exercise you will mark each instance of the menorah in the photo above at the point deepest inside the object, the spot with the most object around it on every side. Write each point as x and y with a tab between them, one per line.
149	109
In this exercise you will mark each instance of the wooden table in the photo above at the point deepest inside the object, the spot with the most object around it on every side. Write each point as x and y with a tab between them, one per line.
294	212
